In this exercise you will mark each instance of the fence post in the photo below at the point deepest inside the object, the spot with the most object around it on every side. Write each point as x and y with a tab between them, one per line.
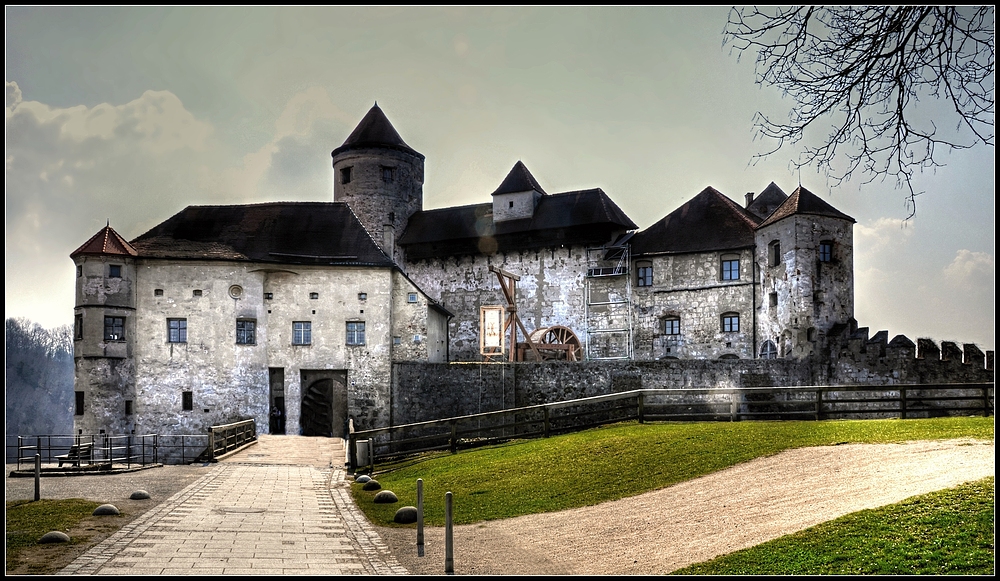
420	517
734	406
986	401
449	549
211	445
545	426
453	440
642	409
352	449
38	477
902	403
819	403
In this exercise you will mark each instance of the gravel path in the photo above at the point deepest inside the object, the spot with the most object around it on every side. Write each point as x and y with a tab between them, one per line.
694	521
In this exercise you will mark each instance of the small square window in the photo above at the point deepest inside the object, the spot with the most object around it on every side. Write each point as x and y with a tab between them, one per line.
345	175
411	298
302	333
672	326
158	292
388	174
313	295
268	296
187	401
114	271
246	331
78	327
362	296
78	410
416	338
730	323
177	331
510	204
79	270
731	269
773	299
397	340
196	292
356	333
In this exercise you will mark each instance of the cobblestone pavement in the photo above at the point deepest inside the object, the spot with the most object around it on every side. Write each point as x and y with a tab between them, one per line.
281	506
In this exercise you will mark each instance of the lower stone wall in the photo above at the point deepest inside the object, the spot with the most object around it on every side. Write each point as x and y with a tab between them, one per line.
429	391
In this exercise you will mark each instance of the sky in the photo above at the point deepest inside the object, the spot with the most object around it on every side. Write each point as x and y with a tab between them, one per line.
128	115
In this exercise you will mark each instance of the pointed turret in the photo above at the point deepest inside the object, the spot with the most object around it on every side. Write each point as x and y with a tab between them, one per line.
517	196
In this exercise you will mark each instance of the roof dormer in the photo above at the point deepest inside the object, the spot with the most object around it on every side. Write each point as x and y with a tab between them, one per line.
517	196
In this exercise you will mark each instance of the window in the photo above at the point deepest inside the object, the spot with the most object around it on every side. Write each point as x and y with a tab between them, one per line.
177	330
78	327
768	350
301	333
128	407
158	292
774	253
314	295
356	333
397	340
78	411
114	328
362	296
773	299
79	270
411	298
187	401
645	270
826	251
730	267
730	322
345	175
672	326
114	271
388	173
246	331
196	292
510	204
268	296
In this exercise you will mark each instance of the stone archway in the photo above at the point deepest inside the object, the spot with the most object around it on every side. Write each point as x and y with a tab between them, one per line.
324	403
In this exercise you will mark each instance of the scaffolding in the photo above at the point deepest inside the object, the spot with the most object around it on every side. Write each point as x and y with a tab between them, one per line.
609	303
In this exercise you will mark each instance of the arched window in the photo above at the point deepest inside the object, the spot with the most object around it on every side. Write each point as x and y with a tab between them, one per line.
768	350
774	253
730	267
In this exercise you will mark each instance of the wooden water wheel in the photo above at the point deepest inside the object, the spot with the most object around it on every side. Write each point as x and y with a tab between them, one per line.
557	342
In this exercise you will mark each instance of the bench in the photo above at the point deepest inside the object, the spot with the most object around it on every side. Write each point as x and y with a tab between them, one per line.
77	453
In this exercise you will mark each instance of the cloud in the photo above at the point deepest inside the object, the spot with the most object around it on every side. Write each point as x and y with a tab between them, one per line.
971	270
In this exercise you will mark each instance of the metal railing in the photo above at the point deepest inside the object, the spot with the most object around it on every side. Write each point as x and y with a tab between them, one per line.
688	404
228	437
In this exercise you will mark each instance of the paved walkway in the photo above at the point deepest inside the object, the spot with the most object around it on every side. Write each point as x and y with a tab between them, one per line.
279	507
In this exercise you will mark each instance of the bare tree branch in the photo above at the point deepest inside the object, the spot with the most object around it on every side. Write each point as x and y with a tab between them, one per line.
865	70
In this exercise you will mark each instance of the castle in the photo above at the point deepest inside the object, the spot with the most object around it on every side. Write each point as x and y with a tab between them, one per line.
305	310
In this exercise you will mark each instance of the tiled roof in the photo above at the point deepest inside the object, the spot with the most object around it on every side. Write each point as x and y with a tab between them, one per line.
374	130
280	232
767	201
802	201
707	222
580	217
105	242
518	180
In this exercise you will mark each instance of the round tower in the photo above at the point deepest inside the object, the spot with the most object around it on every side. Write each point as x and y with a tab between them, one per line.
104	335
380	178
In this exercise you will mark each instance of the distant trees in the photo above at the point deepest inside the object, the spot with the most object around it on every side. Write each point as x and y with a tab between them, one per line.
39	379
871	72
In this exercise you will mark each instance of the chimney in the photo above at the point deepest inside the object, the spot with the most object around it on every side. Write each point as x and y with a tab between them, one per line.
749	198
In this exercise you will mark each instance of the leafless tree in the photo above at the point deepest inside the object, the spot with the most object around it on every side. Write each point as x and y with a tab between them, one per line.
872	72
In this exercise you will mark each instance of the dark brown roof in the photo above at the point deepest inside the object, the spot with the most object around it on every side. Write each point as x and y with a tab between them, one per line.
767	201
707	222
802	201
279	232
518	180
105	242
375	131
569	218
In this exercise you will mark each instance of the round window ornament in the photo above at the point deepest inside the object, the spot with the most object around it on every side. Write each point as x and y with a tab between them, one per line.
236	291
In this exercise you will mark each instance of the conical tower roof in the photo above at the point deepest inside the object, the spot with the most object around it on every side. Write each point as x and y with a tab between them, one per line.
518	180
707	222
802	201
106	242
375	130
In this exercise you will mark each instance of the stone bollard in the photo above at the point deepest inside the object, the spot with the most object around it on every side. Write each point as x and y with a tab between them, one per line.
420	517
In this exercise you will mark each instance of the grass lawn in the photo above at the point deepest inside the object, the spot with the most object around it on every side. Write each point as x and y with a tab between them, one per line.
945	532
27	521
612	462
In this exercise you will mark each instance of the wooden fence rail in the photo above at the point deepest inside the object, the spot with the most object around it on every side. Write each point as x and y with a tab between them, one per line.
687	404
